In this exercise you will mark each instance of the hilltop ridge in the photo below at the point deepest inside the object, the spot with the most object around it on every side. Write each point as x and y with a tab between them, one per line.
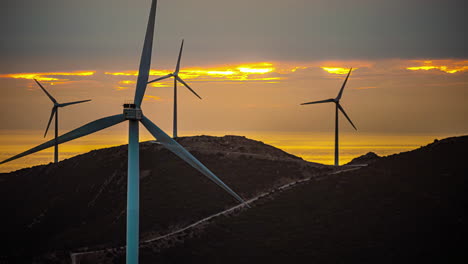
406	207
80	201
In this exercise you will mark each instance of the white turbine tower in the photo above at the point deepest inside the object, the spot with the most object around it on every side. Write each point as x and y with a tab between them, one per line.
134	115
55	113
337	107
177	78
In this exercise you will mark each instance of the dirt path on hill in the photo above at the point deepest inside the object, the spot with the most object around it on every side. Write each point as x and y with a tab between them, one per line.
75	256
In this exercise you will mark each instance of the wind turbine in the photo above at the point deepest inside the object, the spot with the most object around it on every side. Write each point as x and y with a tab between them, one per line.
55	108
133	114
177	78
337	107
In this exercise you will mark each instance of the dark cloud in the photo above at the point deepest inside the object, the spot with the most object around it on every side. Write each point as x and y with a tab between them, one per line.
56	34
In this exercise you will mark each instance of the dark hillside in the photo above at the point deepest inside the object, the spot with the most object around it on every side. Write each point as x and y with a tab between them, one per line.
81	201
405	208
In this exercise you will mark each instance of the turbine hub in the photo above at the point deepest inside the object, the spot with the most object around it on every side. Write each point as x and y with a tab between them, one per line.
131	112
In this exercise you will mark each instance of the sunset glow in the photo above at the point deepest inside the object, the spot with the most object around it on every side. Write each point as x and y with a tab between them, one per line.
46	76
365	87
127	82
252	73
259	68
243	72
336	70
447	66
151	98
158	84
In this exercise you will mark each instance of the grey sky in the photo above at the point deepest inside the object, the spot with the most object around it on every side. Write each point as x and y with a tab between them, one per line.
65	35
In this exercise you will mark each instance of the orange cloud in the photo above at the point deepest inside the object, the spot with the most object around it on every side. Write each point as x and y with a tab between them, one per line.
298	68
447	66
125	82
135	73
158	84
151	98
242	72
258	68
46	76
337	70
365	87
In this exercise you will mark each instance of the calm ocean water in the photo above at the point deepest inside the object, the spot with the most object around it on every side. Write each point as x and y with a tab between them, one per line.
316	147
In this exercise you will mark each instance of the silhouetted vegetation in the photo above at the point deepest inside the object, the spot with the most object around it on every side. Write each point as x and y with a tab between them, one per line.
81	201
405	208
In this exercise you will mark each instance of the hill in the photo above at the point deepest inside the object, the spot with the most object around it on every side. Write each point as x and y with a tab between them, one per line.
404	208
80	202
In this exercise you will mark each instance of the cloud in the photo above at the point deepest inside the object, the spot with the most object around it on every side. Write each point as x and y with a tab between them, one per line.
126	82
47	76
337	70
159	85
121	88
151	98
256	71
365	87
264	72
447	66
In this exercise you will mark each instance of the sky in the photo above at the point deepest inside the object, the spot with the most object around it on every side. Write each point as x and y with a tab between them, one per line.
252	61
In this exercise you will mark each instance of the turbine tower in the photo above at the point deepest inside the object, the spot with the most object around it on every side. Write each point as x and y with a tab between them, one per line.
54	112
133	114
337	107
177	78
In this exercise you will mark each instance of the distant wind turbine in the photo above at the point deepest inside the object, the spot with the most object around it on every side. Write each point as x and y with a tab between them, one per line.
177	78
337	106
134	115
55	108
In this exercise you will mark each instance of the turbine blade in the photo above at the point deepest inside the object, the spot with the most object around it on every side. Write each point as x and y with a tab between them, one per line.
161	78
180	151
188	87
180	55
45	91
344	113
70	103
342	87
54	109
319	102
145	61
79	132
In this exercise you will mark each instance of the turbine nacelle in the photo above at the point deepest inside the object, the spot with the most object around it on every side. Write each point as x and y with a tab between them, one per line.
132	112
